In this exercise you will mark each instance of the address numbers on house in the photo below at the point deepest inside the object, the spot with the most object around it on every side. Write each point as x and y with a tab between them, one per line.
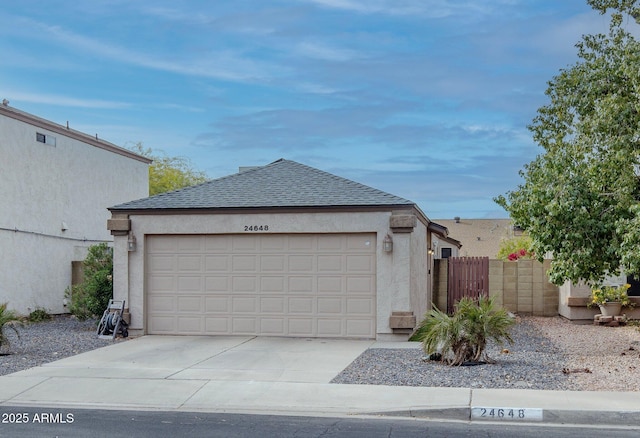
506	414
256	228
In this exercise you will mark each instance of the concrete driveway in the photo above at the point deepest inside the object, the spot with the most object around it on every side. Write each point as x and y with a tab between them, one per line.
272	375
219	374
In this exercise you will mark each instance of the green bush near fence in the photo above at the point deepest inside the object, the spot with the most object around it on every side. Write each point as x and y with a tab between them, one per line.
91	297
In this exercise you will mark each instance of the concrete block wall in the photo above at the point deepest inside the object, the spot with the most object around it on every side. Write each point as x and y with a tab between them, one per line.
440	279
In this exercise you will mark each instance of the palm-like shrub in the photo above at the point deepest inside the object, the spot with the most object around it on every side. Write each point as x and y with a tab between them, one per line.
463	336
8	318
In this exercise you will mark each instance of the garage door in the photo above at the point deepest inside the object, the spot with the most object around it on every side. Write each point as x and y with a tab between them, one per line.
308	285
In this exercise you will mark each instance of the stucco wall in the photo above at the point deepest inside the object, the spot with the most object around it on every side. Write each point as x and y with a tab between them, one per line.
393	271
420	276
44	186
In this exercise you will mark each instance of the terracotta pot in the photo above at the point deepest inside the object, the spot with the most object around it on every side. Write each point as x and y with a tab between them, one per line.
610	309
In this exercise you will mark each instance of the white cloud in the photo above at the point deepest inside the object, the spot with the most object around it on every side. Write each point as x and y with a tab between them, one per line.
60	100
325	52
424	8
224	64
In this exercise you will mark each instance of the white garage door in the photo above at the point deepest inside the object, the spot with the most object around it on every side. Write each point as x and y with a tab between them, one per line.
309	285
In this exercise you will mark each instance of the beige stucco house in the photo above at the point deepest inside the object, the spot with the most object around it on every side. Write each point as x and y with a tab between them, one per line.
56	186
281	250
479	237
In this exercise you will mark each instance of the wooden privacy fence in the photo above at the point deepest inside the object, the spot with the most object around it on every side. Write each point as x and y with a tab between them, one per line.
467	277
520	287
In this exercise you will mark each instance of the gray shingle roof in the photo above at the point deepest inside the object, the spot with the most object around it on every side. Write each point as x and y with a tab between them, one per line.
283	183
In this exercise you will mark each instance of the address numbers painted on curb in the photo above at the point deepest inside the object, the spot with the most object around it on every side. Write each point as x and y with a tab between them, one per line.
506	414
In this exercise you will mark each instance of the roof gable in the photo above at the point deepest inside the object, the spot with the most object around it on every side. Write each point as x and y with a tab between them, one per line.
283	183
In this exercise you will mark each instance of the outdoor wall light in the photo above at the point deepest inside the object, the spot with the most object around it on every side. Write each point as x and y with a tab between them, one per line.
131	242
387	243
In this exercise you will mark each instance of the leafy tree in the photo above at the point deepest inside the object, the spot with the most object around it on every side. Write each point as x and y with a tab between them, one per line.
169	173
463	337
579	199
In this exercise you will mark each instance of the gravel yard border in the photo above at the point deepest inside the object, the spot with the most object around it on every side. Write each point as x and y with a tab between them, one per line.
549	353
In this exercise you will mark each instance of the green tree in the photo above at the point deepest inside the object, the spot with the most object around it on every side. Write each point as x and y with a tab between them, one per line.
91	297
516	247
169	173
579	199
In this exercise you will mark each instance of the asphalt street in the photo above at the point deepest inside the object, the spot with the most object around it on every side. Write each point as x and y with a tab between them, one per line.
50	422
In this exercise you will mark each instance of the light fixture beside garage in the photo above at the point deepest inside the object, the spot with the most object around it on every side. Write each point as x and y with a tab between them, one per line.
387	243
131	242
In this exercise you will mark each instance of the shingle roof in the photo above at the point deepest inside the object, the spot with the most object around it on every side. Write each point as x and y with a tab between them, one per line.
283	183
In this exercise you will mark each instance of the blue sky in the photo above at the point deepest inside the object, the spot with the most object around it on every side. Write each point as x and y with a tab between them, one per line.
425	99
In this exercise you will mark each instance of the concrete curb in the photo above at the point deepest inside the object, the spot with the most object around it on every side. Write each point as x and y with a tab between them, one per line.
549	416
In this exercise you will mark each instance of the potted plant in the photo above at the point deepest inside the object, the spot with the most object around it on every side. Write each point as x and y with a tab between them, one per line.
610	299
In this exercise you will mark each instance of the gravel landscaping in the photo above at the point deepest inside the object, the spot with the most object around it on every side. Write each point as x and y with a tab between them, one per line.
548	353
42	342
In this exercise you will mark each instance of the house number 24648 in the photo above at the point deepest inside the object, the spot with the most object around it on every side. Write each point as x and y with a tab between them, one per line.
256	227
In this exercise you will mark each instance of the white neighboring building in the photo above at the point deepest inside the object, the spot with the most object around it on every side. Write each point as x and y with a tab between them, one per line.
56	186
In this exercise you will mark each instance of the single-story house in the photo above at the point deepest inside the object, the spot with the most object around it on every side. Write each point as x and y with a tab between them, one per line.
56	186
280	250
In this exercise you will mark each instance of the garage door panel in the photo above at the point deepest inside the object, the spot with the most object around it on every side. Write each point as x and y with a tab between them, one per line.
243	326
301	263
329	306
329	327
162	303
159	246
190	284
190	325
217	304
359	285
330	285
301	243
272	284
300	305
162	324
273	243
162	263
357	328
217	244
361	306
217	325
217	284
360	243
190	244
243	263
281	285
272	263
244	285
190	263
300	327
162	283
244	305
359	263
244	243
273	305
330	263
217	263
273	326
301	285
